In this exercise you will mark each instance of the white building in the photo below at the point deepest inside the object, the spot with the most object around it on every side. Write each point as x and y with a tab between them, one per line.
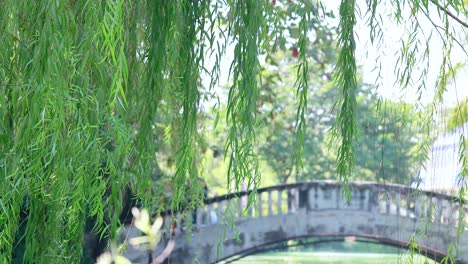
443	167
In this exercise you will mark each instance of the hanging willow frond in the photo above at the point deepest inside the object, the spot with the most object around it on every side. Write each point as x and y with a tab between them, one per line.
345	80
113	39
242	101
415	56
302	83
188	61
85	87
159	28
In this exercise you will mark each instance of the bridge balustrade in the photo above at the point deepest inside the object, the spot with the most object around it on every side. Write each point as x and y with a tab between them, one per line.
386	199
388	213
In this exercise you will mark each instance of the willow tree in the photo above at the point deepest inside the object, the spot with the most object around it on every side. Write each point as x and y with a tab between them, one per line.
82	82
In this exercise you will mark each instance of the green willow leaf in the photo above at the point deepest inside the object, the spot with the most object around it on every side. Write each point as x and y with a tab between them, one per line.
345	80
95	94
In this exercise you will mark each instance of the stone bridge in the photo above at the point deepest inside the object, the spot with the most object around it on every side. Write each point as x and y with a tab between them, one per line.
314	212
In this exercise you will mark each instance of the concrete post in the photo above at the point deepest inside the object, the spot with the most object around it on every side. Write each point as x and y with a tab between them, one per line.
279	201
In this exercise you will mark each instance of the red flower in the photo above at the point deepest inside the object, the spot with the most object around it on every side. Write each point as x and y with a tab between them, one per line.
295	52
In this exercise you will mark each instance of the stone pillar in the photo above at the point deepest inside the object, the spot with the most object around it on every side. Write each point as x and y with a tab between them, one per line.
270	204
279	201
259	205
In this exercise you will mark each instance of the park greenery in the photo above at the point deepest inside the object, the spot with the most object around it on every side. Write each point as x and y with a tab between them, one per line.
104	102
386	139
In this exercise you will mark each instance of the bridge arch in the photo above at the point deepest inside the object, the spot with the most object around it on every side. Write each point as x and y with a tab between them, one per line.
387	213
312	240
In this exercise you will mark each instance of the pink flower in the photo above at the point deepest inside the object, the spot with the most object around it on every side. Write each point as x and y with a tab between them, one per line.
295	52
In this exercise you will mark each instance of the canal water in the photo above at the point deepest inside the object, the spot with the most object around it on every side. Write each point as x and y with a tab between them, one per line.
336	253
329	258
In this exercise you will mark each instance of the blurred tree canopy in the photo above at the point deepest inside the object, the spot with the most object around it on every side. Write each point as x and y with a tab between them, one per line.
385	143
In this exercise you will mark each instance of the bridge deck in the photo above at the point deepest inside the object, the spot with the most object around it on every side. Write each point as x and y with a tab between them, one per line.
391	214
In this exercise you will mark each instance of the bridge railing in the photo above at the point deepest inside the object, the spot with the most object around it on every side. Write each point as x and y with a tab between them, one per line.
385	199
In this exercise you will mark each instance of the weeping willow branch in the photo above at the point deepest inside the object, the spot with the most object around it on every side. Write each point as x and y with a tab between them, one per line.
375	26
113	37
461	22
159	22
242	108
114	48
85	83
189	76
345	79
302	85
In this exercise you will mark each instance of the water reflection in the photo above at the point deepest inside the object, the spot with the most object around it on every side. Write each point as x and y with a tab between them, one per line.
336	253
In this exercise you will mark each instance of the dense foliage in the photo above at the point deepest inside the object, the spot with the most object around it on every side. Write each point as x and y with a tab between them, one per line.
94	93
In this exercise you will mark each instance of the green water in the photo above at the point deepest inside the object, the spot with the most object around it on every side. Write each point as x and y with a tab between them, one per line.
328	258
